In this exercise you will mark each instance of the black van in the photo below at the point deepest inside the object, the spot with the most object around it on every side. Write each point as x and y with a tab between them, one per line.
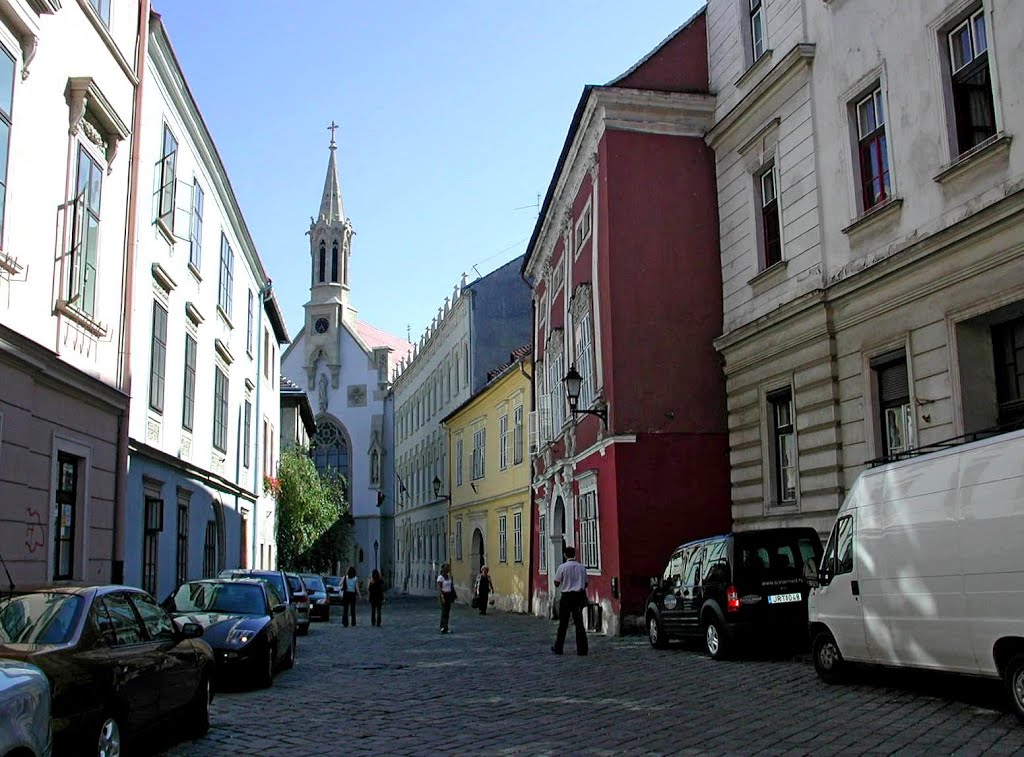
736	586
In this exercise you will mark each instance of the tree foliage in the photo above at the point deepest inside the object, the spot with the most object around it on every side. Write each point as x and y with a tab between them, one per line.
313	525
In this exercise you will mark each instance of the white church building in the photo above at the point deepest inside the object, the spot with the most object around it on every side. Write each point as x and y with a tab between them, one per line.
345	365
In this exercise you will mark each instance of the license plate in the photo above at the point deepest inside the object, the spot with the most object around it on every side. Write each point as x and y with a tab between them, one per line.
775	599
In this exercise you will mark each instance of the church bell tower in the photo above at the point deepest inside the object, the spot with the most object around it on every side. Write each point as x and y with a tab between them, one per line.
330	246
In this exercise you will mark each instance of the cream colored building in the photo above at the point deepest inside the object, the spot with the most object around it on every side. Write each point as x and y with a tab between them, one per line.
870	195
489	513
68	82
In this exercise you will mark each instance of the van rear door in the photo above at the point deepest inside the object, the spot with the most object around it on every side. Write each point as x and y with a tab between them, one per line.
768	573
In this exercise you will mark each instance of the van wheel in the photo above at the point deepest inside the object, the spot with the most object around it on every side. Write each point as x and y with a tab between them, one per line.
1014	677
656	632
716	643
828	660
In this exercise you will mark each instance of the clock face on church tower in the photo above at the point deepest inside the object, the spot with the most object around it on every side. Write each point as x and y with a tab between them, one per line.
321	325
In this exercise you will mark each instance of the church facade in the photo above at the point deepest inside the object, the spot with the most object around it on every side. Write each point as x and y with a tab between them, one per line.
344	365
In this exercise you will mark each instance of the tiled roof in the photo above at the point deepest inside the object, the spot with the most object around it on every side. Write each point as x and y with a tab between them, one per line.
375	337
514	357
287	385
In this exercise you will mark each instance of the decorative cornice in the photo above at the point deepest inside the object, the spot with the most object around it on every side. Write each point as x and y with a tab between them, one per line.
193	314
85	98
163	278
794	61
223	351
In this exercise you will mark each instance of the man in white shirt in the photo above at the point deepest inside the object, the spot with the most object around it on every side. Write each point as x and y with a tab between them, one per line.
571	578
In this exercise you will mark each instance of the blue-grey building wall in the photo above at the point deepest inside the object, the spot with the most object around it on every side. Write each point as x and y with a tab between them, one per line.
500	319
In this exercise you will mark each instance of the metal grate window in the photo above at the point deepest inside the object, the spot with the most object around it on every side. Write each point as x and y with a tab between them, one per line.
153	519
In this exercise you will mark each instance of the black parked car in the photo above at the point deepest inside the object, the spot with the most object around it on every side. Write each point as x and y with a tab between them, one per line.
246	622
283	586
116	661
734	587
319	603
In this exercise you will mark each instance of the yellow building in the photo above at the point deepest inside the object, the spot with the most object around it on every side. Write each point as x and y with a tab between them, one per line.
489	481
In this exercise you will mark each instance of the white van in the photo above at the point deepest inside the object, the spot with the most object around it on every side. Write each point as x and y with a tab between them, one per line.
925	567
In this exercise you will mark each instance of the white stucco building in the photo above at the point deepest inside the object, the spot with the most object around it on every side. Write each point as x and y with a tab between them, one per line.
206	330
345	364
67	104
870	196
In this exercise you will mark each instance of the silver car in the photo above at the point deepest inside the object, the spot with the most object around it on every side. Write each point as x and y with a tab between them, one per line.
24	709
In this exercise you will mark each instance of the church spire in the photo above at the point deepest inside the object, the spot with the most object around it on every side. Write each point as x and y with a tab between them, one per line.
331	209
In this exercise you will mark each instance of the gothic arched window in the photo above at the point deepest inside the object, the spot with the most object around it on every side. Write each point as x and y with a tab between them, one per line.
323	262
374	468
334	262
330	449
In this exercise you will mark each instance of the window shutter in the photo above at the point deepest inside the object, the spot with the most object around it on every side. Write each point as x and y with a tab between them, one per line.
91	237
893	383
183	210
533	432
76	265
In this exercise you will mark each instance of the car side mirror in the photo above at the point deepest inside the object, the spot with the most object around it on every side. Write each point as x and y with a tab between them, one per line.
278	609
811	573
191	631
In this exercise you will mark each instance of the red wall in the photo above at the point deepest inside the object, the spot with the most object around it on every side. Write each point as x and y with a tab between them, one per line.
661	285
681	65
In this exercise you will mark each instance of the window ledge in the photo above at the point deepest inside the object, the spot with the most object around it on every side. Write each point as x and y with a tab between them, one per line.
223	315
163	279
223	351
165	231
758	65
769	276
887	209
193	314
992	147
10	264
72	313
195	272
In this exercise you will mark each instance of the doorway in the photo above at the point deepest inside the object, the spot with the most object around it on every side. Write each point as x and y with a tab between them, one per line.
477	559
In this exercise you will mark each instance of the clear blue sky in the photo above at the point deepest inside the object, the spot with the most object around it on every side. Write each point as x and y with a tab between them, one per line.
452	116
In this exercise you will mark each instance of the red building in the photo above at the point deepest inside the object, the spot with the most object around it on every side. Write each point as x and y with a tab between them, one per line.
627	288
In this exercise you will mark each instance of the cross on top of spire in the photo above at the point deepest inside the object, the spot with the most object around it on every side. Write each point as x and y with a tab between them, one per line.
333	128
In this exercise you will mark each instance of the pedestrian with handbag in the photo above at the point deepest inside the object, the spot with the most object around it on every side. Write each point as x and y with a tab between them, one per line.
446	594
375	593
484	589
349	594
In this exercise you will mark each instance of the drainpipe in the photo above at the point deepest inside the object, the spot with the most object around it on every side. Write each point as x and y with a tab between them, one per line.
533	404
128	291
262	294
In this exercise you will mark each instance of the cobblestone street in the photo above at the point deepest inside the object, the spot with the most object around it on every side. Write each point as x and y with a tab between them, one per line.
493	687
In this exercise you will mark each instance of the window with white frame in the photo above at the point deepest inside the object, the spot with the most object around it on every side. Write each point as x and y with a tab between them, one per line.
556	394
583	226
584	357
517	537
771	231
188	408
517	435
503	441
590	541
872	150
542	552
102	8
502	538
195	242
783	451
220	410
168	163
85	234
971	82
158	358
250	324
458	539
458	462
895	416
7	69
479	442
226	283
757	36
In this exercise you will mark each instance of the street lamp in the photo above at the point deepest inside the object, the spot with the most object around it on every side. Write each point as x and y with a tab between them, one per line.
573	383
437	490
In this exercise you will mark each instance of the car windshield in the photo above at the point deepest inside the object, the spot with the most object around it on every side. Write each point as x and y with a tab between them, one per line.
295	583
231	598
768	555
314	583
274	579
333	580
43	618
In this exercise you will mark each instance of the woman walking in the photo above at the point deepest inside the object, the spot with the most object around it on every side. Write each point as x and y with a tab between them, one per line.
375	593
446	594
349	593
484	588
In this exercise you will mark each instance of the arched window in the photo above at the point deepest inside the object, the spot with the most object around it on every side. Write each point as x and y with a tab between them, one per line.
374	468
334	263
323	262
330	449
